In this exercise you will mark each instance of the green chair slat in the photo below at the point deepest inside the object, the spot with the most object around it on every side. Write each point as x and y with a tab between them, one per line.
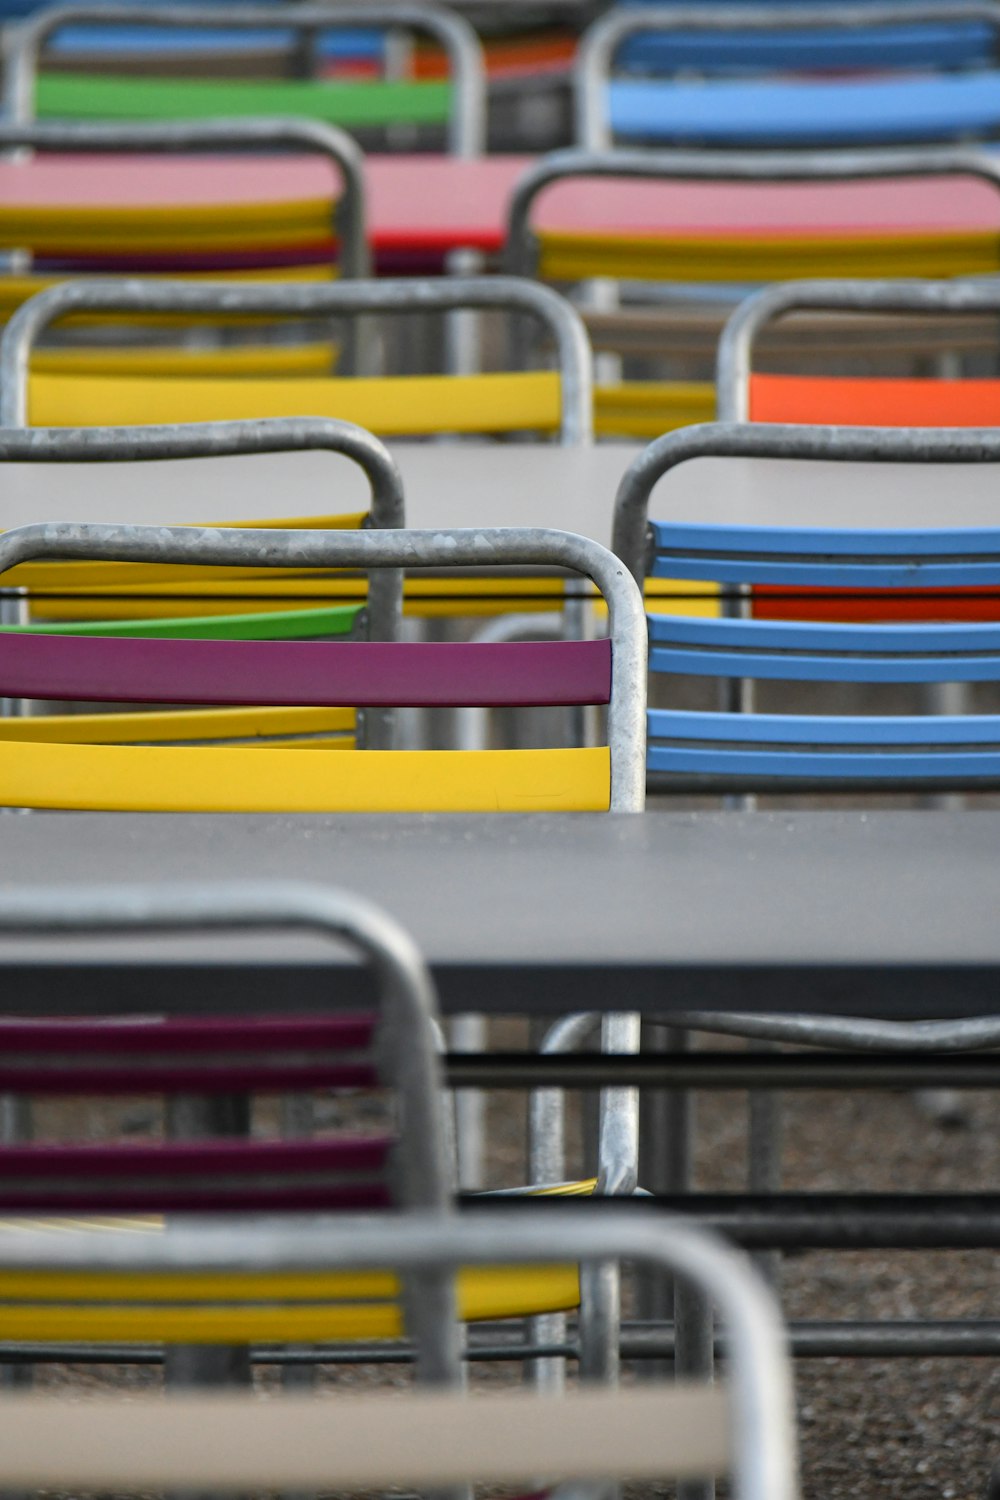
84	96
277	625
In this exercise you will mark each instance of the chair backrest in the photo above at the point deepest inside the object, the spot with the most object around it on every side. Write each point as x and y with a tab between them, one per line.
744	396
459	104
46	452
933	43
717	751
390	1045
652	240
329	674
324	230
417	1439
557	401
793	112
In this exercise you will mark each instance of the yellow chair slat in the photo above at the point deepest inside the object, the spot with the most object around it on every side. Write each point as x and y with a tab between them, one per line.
647	408
393	406
310	1309
48	228
424	598
233	360
130	778
565	256
166	727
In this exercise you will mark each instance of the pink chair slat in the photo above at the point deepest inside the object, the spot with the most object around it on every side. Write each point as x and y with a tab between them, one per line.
201	1034
214	1078
306	674
244	1158
213	1196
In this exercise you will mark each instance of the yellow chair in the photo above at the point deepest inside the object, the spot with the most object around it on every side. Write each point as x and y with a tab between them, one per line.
552	402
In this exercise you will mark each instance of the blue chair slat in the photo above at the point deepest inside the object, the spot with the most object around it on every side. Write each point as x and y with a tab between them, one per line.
827	558
806	636
361	45
823	541
942	45
717	750
796	668
741	765
924	731
887	111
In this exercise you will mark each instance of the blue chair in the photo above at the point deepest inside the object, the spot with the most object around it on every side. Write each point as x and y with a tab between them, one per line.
901	108
947	42
948	474
745	751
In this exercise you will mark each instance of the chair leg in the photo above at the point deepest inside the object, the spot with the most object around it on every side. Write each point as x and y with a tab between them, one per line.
992	1490
666	1135
194	1365
764	1158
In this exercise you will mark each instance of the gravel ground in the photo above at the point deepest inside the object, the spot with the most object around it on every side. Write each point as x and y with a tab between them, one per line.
900	1429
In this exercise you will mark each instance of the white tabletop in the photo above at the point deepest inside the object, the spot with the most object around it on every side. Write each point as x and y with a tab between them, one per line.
446	485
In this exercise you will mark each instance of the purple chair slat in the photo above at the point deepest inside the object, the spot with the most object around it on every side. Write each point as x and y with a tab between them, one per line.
215	1197
179	1078
177	1158
306	673
346	1033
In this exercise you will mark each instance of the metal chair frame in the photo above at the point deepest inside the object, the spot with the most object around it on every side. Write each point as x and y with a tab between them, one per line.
336	299
466	132
408	996
760	1410
600	41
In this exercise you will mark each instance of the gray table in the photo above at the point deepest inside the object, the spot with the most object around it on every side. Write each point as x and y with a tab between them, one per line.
810	492
881	914
446	485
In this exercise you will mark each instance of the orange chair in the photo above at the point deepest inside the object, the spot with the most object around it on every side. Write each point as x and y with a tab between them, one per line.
848	400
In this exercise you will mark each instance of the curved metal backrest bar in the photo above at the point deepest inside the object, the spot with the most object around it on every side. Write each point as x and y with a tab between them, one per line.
56	445
730	166
761	1406
631	537
467	127
404	984
488	547
601	40
308	136
295	300
946	298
